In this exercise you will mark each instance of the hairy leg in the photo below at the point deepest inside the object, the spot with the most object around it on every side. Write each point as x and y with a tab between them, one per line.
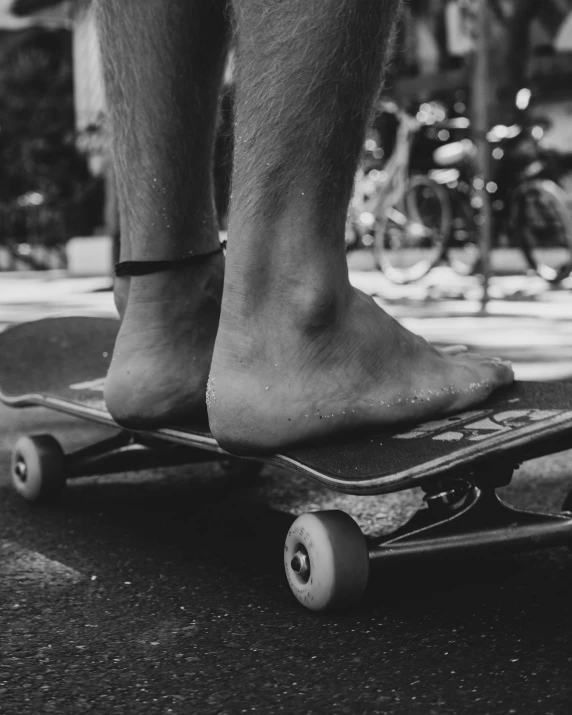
163	64
300	354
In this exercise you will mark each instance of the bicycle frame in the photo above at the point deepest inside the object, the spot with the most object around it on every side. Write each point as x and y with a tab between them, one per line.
375	199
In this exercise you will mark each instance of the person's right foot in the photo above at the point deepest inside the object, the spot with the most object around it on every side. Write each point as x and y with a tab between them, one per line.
282	376
163	352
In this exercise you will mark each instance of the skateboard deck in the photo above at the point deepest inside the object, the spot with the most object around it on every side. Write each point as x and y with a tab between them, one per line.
61	363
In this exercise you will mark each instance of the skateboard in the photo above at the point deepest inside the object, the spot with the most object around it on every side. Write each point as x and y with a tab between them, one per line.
458	461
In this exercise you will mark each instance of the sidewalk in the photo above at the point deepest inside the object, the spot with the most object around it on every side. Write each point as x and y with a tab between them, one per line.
527	321
31	295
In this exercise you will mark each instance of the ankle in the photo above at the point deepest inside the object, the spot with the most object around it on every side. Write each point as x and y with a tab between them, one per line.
305	302
184	284
312	307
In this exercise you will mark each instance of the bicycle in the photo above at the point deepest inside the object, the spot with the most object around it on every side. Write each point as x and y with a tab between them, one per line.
405	217
529	208
415	222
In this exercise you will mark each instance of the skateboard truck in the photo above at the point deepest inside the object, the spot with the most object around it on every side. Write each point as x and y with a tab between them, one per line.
484	522
40	469
442	498
461	517
443	495
467	516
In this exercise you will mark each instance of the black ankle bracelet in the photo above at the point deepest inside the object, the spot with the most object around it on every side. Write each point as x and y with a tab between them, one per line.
142	268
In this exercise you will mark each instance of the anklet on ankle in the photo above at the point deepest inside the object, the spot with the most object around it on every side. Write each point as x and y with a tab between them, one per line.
142	268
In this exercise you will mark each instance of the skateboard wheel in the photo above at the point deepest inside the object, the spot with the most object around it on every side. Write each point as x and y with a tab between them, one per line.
38	468
326	560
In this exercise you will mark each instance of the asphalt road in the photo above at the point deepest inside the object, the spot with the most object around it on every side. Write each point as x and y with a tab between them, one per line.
164	592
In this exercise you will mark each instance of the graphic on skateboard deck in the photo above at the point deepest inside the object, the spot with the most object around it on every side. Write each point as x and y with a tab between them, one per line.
459	461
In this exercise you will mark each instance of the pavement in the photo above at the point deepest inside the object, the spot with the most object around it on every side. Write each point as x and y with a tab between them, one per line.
163	591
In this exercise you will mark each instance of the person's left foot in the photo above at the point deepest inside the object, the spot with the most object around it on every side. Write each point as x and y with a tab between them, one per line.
162	356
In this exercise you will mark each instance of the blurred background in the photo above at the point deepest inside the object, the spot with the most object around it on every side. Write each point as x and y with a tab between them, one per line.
462	208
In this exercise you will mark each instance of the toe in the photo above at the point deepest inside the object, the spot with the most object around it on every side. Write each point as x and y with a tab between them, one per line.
496	371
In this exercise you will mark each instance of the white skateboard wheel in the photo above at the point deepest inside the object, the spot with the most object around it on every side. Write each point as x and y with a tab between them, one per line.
38	468
326	560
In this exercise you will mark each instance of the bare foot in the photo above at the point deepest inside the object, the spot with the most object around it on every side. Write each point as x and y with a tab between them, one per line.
337	366
162	355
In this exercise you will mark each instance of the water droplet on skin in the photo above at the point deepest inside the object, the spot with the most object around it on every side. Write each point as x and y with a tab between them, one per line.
210	391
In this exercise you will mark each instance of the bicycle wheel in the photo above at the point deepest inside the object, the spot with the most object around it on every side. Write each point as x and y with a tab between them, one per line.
463	251
411	238
542	224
